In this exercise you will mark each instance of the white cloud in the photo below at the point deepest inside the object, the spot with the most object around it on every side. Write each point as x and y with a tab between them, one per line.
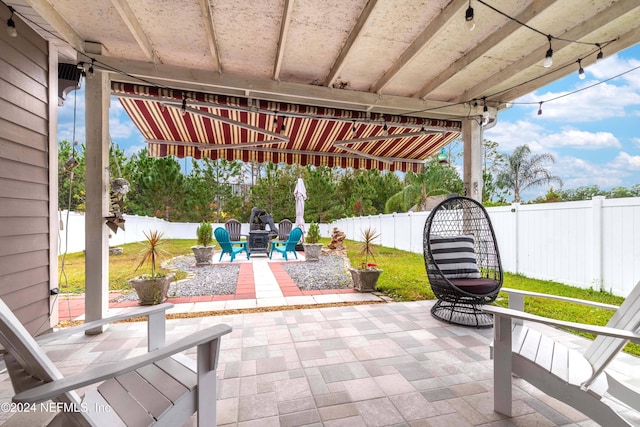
581	139
625	162
596	103
614	65
576	172
511	135
636	141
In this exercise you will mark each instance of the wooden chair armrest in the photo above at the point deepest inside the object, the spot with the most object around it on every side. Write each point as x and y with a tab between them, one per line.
520	294
155	315
594	329
104	372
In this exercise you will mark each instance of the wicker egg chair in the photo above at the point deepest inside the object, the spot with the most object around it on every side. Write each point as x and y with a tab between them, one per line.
462	261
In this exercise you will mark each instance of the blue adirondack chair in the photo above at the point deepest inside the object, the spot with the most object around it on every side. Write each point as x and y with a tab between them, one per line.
289	245
229	247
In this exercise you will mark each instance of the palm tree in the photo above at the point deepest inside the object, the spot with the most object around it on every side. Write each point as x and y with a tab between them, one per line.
524	170
434	179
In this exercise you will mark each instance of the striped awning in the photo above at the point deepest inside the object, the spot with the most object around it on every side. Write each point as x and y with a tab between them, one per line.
200	125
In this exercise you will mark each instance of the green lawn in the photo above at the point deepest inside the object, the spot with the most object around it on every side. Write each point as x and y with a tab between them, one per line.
404	279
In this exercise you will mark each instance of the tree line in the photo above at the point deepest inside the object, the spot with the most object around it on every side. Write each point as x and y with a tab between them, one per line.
217	190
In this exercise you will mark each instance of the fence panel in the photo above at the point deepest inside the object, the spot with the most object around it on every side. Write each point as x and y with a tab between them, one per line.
590	244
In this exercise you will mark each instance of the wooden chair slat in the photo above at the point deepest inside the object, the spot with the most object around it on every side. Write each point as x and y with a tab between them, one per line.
127	408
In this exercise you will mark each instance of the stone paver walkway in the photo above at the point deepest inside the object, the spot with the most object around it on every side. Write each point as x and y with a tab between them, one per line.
261	283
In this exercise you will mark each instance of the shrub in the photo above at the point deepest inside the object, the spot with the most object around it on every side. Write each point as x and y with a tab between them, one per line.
313	236
204	233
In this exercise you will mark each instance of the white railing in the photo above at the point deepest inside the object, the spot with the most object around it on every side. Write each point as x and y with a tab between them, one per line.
589	244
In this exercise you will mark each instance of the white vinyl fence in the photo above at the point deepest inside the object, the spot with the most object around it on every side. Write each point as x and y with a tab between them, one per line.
73	227
589	244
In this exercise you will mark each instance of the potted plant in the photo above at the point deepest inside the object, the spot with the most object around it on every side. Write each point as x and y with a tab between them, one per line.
366	276
152	288
311	246
203	252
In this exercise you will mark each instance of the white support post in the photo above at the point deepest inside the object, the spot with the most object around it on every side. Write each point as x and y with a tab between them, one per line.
596	209
515	208
97	187
472	169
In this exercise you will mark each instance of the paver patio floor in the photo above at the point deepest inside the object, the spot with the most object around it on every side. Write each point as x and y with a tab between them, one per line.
368	365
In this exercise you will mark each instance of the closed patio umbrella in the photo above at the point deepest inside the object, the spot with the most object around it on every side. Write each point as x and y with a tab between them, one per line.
300	193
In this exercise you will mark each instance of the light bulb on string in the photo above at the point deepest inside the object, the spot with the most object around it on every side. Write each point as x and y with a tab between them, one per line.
11	25
540	109
468	16
581	74
600	55
548	59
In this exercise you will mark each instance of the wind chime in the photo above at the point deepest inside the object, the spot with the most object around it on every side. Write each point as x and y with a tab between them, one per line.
119	189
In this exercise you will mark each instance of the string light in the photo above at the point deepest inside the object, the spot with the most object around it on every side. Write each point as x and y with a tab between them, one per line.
581	74
11	25
540	108
385	129
548	58
468	16
184	104
485	113
600	54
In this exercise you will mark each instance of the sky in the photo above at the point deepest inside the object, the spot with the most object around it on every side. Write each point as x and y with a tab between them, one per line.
593	134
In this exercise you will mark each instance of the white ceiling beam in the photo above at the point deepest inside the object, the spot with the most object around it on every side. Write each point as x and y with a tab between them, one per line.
534	9
205	8
451	11
62	27
282	40
181	78
578	32
353	37
135	28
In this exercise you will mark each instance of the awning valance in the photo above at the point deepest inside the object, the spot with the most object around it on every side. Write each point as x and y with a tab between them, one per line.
182	124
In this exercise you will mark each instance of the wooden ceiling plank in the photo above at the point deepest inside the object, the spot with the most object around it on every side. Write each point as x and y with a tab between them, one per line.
205	8
452	11
578	32
351	40
534	9
135	28
282	40
62	27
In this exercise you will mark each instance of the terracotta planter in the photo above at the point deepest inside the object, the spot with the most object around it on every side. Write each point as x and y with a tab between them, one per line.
312	251
203	254
365	280
152	291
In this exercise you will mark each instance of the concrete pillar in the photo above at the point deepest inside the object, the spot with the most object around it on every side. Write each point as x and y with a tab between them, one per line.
97	92
472	166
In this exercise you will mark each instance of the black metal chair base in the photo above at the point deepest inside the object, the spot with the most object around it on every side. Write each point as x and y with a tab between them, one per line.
461	314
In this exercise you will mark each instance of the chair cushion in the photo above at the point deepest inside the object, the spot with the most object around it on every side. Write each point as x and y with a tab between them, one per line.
476	286
455	256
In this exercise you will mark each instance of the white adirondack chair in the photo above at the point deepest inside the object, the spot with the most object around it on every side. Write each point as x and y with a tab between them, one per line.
580	380
161	387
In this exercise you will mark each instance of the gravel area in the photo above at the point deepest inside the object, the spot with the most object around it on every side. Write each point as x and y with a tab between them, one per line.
328	273
207	280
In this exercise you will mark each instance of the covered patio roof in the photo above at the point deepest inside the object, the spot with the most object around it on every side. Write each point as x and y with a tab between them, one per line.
318	66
